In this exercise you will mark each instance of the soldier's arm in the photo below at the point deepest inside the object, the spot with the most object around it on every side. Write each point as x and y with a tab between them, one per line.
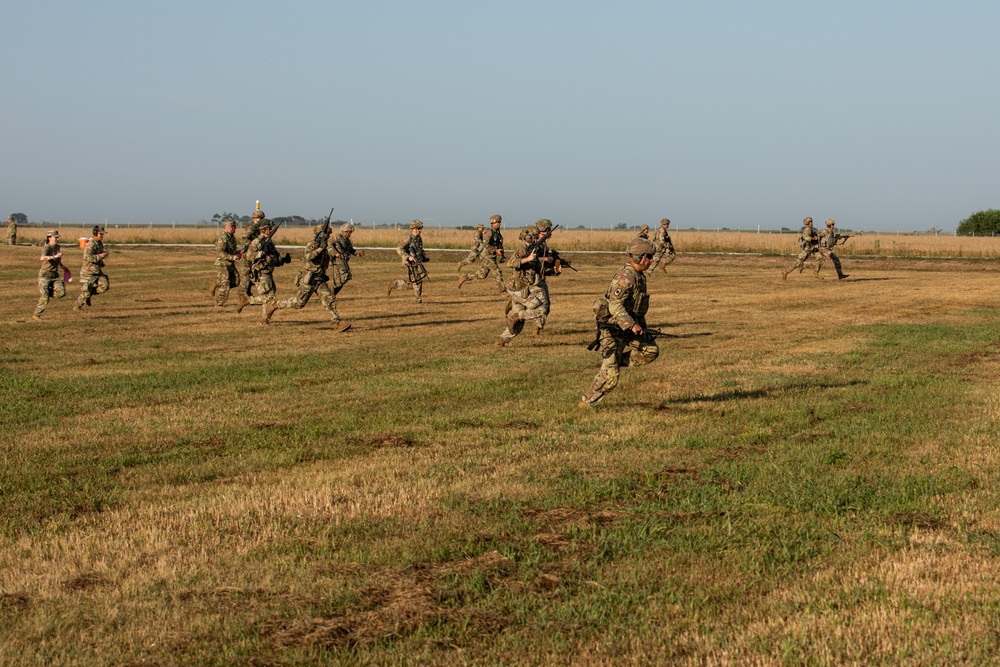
617	294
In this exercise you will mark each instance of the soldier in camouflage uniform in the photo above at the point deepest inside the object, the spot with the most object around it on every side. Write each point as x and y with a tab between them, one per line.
227	254
643	233
808	246
93	280
621	323
827	242
313	279
341	249
664	246
250	232
50	281
263	258
527	297
11	230
551	265
477	247
411	252
492	256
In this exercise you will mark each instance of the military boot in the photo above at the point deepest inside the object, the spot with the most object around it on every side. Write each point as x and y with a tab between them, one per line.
339	327
392	286
36	317
271	307
213	287
462	280
842	276
244	302
784	275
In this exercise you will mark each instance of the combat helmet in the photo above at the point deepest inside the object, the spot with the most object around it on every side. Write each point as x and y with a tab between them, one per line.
830	222
98	229
639	247
528	234
347	227
806	220
664	222
495	218
416	224
644	229
543	225
257	214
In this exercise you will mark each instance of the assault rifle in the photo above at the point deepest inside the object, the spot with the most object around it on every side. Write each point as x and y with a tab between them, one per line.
647	333
270	235
842	238
323	235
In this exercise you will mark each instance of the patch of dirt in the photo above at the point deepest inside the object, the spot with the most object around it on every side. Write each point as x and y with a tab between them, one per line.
380	440
84	581
14	601
918	519
562	515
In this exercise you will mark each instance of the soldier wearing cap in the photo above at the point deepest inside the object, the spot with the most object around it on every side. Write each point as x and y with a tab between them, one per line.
227	254
250	232
263	258
341	249
50	280
621	323
808	246
492	256
527	298
478	246
411	252
827	242
93	280
314	279
11	230
663	246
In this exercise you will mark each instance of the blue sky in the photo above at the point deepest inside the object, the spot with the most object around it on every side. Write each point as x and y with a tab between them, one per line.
882	115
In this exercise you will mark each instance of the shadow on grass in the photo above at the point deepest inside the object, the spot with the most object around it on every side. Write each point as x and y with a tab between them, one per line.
740	394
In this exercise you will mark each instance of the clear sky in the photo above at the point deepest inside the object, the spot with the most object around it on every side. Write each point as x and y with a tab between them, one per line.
880	114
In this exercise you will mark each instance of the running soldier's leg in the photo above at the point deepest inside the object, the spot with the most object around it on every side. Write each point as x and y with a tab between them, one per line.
102	285
222	282
44	294
328	299
608	374
640	351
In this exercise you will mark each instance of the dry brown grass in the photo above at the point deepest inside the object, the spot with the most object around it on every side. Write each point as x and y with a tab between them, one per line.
359	553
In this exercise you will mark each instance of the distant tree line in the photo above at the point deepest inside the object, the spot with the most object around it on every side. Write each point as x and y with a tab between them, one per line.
288	221
982	223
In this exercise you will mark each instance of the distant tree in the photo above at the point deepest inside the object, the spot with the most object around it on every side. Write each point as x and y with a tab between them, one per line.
20	218
621	225
982	223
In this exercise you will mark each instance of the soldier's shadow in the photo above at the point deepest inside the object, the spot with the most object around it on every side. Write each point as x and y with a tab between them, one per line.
739	394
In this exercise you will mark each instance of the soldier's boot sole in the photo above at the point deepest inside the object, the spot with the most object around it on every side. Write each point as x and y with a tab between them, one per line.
244	302
213	287
340	327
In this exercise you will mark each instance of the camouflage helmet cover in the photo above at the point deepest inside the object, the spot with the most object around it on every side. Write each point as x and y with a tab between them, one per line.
257	215
347	227
495	218
543	225
665	222
806	220
98	229
639	247
528	234
229	222
266	223
830	222
52	234
480	226
416	224
644	228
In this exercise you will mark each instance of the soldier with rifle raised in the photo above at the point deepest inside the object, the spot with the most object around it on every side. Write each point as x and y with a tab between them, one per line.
623	338
313	279
341	249
411	252
828	240
527	297
263	258
250	232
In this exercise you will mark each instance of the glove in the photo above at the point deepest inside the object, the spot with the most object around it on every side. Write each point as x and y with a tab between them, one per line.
287	259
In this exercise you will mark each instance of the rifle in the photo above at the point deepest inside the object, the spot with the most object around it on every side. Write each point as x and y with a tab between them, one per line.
323	235
647	333
270	235
842	238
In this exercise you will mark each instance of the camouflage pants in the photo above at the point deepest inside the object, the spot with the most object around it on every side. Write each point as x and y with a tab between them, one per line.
658	257
800	261
470	258
226	279
265	291
617	350
49	288
12	239
341	276
307	287
91	285
825	253
418	287
244	269
489	264
526	304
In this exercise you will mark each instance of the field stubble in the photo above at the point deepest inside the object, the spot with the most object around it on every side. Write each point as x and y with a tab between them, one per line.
803	475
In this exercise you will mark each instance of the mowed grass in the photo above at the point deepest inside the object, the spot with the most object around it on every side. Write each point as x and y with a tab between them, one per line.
805	475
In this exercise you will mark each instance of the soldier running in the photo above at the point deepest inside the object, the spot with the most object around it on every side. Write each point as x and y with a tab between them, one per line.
411	252
492	256
808	246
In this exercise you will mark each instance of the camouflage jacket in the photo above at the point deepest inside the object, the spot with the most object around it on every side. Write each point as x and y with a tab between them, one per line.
411	246
11	228
341	249
529	273
50	267
262	255
661	239
627	298
828	238
92	260
477	241
225	249
250	232
808	238
316	259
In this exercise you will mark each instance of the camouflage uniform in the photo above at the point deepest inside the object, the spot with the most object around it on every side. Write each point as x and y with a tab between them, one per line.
411	251
50	281
93	280
11	231
624	305
808	246
643	233
341	249
528	299
226	257
263	258
312	279
477	248
492	257
550	266
250	232
664	246
827	242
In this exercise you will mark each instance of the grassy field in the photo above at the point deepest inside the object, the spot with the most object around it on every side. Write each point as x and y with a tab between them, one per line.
804	476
